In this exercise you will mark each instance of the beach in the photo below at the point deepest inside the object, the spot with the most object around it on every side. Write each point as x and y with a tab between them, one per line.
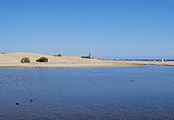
13	60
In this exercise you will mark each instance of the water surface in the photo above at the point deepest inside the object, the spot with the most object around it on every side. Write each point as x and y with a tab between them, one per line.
87	93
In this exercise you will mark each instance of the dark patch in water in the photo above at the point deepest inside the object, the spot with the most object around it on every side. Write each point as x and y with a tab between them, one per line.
17	104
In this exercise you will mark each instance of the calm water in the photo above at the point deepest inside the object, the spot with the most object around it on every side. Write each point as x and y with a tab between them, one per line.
87	94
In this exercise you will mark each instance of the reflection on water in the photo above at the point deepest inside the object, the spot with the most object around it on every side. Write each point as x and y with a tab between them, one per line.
107	93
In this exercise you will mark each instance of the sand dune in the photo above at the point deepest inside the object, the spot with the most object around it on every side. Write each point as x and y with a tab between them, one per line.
13	60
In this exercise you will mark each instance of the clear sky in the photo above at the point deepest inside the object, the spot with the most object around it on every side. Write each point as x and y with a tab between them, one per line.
110	28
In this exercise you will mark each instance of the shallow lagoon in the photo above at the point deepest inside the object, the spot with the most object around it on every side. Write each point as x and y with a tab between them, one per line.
87	93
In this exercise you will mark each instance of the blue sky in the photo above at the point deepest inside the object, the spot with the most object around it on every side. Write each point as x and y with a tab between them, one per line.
110	28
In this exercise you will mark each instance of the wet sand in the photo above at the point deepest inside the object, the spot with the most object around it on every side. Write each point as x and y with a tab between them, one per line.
12	60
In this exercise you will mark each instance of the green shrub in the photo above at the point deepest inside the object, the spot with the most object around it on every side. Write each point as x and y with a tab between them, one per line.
42	59
25	60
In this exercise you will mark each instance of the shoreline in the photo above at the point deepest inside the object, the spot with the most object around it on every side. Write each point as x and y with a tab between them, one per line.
47	65
102	65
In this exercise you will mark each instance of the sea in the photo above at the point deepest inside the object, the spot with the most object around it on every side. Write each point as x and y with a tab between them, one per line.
122	93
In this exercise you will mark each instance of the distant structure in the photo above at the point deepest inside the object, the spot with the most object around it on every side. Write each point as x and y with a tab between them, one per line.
58	55
162	60
99	58
88	57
